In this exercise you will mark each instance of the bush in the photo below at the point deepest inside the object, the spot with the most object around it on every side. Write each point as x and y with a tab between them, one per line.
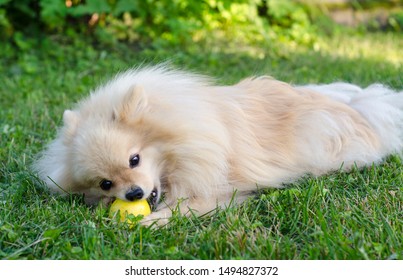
395	21
159	22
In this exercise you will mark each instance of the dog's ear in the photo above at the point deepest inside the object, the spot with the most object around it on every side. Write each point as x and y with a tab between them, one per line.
70	121
133	104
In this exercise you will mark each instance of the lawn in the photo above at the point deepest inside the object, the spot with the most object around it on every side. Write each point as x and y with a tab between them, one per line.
355	215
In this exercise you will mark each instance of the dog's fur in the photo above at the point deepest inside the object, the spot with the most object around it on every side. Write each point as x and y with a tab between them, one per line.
198	142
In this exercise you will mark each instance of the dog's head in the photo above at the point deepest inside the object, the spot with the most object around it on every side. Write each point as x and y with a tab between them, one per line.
113	149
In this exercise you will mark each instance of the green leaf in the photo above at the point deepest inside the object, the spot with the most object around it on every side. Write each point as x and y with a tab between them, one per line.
3	2
52	234
76	250
53	12
125	6
91	7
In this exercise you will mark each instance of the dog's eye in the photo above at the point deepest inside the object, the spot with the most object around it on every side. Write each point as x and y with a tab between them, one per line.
134	160
106	185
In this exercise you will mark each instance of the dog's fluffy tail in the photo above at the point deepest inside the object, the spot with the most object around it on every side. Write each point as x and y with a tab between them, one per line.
381	106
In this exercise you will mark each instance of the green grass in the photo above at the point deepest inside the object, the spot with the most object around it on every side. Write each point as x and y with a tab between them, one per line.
356	215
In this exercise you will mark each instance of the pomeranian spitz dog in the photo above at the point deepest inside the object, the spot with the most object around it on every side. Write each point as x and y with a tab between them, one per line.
155	130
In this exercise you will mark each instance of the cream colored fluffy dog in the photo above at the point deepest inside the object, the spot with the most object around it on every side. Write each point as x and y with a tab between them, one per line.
156	131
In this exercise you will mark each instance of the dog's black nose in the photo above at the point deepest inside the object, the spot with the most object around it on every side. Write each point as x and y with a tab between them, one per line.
136	193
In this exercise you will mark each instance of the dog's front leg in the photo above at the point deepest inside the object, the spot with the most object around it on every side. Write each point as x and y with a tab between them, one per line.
196	206
186	207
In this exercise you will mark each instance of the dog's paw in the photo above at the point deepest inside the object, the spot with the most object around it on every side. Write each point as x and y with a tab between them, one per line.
158	218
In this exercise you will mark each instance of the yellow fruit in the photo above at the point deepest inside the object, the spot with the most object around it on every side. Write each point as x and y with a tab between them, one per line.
139	207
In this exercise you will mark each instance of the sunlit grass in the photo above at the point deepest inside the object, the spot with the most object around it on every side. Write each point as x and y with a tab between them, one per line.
378	47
